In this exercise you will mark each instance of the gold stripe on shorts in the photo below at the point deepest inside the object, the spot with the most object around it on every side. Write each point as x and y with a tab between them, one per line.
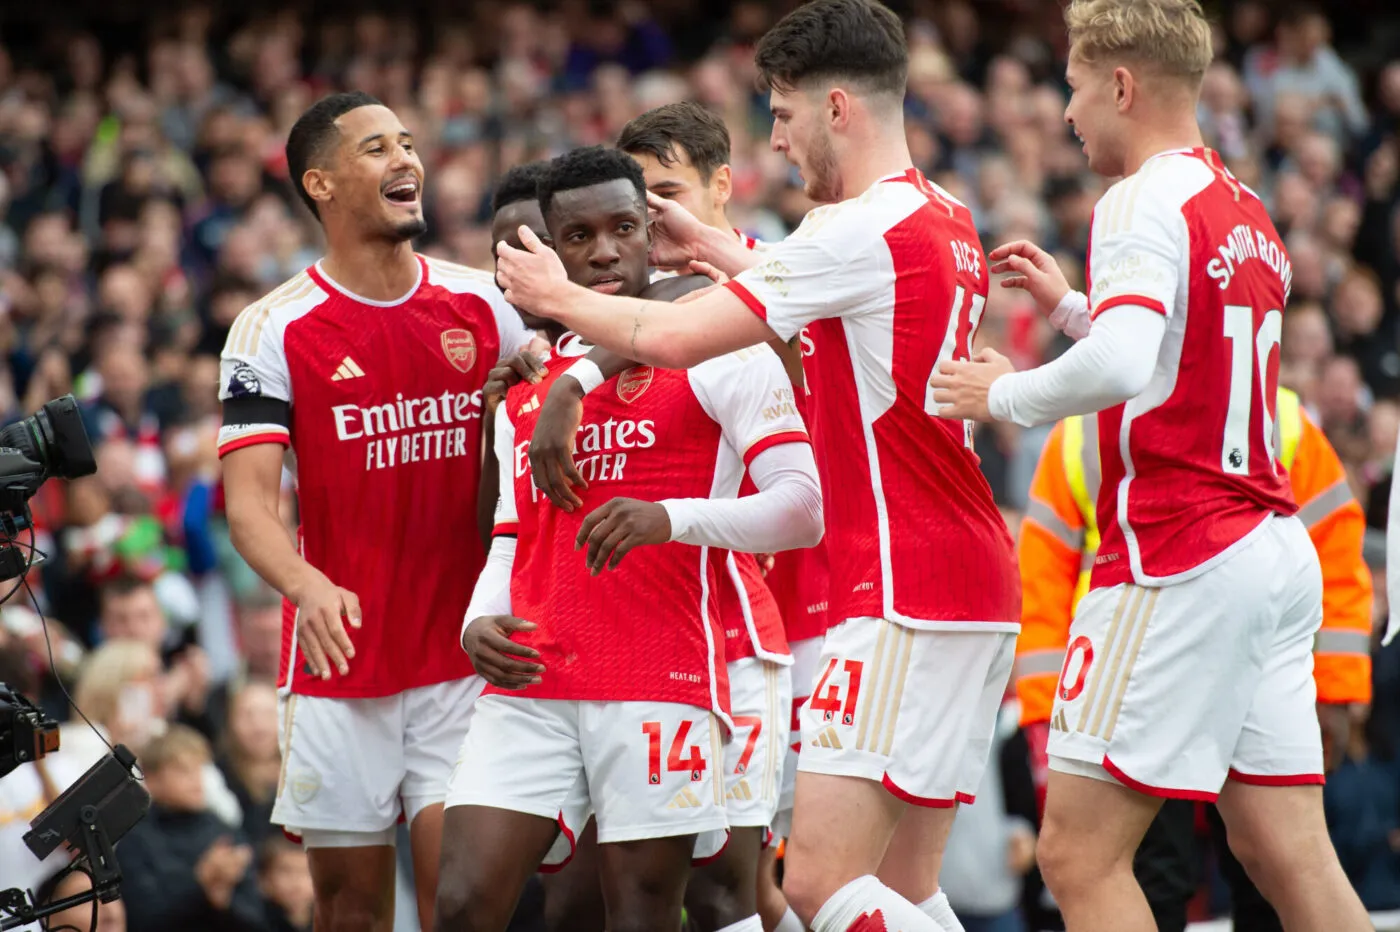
1096	677
1117	706
902	674
1120	667
717	756
288	718
874	680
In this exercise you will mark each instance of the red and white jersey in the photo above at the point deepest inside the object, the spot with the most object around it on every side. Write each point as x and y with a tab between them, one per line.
1189	466
887	285
799	579
649	630
381	404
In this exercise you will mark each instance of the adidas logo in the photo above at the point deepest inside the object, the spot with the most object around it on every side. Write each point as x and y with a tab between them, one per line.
740	791
685	799
532	405
1058	723
348	369
827	739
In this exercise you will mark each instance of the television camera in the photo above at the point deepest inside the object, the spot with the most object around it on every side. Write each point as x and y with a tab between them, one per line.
102	806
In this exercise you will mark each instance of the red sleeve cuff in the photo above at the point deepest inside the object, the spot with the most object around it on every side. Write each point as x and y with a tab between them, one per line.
1118	300
248	440
506	529
748	298
774	440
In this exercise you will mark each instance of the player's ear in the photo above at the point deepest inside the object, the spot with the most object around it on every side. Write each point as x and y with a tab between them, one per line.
838	108
1124	88
318	184
722	184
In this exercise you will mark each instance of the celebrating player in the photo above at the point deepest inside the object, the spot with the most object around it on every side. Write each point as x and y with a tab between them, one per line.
891	280
370	364
684	152
618	705
1189	666
1059	539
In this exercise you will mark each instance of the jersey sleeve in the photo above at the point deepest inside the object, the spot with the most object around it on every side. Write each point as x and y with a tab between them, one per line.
1138	247
829	267
255	384
507	518
750	396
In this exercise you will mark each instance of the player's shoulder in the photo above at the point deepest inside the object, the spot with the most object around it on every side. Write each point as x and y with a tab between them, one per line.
458	278
270	314
1158	190
751	365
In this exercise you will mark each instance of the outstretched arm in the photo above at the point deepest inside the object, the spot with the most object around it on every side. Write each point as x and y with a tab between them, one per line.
673	336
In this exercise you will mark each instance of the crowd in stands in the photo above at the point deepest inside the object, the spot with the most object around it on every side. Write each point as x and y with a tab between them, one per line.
144	202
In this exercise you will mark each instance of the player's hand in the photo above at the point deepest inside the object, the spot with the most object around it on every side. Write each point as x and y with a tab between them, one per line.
766	562
675	234
614	528
322	611
1033	270
487	642
960	387
552	444
524	366
531	277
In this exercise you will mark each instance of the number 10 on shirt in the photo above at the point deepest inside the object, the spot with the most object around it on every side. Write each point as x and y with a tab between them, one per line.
1249	352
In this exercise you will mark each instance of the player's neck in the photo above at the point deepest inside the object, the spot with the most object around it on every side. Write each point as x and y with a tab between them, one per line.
878	155
377	270
1182	133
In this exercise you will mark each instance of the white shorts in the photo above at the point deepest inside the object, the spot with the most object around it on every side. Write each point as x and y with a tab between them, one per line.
914	709
805	654
351	767
643	769
760	694
1171	690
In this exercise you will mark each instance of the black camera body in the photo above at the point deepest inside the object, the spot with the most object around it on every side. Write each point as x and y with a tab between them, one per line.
26	733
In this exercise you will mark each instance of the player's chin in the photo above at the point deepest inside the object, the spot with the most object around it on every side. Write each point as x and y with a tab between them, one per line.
410	227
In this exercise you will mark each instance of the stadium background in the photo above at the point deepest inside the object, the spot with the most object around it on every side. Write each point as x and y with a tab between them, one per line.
144	202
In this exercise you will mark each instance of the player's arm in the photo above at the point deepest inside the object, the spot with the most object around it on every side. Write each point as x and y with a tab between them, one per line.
256	393
1337	526
552	444
746	398
489	621
1135	266
825	269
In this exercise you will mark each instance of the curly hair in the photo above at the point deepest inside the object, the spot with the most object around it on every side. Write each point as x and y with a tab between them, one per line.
521	183
583	168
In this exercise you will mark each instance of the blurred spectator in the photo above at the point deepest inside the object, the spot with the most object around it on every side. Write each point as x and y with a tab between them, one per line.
182	867
111	917
250	758
284	877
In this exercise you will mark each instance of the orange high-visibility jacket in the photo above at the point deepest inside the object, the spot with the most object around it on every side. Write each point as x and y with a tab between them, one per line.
1059	537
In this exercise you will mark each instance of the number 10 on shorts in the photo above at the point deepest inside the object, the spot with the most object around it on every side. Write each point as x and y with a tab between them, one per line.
694	762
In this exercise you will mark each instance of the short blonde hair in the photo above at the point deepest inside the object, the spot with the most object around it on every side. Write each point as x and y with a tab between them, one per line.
1172	35
106	671
178	742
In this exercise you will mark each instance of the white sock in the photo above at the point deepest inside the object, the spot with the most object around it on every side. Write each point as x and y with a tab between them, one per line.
940	911
866	905
789	923
751	924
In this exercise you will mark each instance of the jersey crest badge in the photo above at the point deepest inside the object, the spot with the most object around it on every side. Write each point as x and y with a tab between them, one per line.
632	383
459	346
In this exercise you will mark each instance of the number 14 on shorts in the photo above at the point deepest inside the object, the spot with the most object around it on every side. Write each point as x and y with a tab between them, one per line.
827	697
675	763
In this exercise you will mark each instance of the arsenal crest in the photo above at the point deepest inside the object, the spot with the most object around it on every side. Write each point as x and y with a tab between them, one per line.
459	346
633	382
